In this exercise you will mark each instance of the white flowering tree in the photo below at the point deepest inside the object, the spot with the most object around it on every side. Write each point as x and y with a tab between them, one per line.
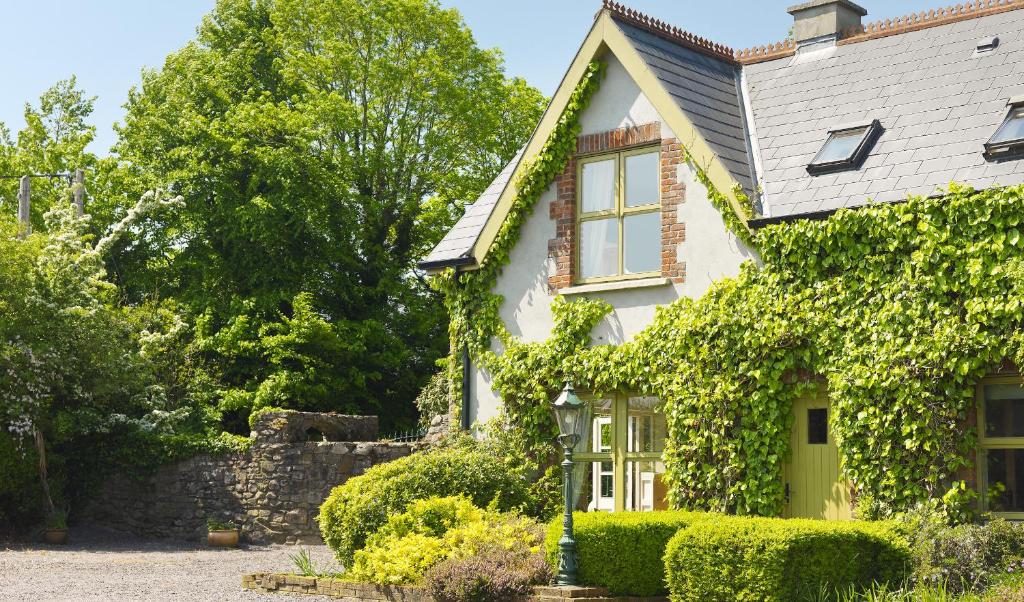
69	353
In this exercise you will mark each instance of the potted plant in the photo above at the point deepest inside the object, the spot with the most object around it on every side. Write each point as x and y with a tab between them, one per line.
221	534
56	530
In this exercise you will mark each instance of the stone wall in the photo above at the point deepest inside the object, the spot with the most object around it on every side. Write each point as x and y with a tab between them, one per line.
273	491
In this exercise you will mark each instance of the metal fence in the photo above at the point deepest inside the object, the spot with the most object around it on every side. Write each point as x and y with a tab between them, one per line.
410	436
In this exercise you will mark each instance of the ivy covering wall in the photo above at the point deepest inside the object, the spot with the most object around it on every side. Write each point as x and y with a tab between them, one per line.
896	310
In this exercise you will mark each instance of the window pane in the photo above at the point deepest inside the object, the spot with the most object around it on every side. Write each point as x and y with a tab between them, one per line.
599	437
840	146
585	501
598	185
647	429
1013	129
1004	411
646	486
641	239
1005	480
599	248
642	179
817	426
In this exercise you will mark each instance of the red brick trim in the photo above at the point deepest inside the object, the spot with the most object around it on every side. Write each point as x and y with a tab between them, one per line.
618	139
562	210
673	192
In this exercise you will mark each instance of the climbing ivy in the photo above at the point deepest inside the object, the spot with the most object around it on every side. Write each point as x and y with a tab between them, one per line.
735	218
472	307
895	311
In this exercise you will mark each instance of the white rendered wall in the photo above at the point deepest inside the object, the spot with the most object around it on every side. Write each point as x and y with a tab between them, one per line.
710	251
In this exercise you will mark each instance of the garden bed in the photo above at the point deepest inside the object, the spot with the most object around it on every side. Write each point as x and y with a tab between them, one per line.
354	591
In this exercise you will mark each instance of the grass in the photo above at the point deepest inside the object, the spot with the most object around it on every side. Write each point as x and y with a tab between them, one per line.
1010	589
305	565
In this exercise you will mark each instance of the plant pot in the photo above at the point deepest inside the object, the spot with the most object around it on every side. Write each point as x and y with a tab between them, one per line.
56	536
226	538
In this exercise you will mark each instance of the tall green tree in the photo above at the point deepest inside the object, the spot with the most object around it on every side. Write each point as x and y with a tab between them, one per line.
321	148
54	140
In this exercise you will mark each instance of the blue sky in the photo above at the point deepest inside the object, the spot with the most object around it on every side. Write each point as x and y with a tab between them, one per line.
107	42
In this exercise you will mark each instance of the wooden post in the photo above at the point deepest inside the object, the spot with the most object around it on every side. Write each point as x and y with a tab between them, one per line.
79	192
24	206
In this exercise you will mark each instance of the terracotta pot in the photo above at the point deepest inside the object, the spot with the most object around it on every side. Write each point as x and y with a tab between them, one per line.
56	536
227	538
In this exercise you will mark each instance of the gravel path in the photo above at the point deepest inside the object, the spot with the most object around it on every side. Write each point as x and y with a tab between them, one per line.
102	565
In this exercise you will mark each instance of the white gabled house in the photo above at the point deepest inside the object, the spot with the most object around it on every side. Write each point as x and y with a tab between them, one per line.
842	115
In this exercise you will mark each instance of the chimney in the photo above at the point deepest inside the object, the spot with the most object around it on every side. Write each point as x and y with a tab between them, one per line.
821	20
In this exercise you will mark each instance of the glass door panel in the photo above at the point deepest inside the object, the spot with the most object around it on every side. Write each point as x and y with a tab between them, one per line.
603	492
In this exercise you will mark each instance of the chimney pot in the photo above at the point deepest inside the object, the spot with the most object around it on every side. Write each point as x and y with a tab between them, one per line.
821	19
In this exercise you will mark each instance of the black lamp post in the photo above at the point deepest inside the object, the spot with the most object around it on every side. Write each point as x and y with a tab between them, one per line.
568	409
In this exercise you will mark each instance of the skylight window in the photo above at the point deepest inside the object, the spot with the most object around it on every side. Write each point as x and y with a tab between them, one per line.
845	148
986	45
1009	138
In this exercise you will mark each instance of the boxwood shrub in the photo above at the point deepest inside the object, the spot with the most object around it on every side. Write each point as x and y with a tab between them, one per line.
740	558
361	505
622	551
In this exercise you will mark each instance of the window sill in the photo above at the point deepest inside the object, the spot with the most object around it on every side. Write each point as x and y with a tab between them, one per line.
618	285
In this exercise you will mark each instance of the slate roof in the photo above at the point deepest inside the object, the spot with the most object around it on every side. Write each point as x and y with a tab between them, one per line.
937	103
457	245
937	100
706	89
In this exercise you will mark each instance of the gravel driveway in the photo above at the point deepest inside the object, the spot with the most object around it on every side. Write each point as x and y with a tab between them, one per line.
102	565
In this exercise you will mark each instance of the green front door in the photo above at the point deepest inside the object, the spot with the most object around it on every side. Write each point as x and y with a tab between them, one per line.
814	486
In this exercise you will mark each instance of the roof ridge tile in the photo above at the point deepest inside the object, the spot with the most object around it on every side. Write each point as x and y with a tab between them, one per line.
670	32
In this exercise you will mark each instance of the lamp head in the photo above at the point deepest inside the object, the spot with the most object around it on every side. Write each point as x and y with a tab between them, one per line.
568	410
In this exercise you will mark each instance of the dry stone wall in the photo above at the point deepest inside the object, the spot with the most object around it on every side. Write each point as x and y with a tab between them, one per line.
273	491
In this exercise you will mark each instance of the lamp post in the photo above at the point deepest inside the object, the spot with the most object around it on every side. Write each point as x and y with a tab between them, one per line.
568	410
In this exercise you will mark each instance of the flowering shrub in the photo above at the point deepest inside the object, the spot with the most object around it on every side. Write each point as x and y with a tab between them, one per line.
362	505
433	398
397	560
436	529
77	368
494	574
963	558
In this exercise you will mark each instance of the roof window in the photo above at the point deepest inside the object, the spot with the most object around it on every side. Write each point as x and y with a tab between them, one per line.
846	147
985	45
1009	138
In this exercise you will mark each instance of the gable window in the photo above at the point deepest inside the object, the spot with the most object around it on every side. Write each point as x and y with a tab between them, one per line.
1009	138
1001	457
845	148
619	215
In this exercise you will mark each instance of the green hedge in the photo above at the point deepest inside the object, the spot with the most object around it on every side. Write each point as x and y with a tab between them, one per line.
360	506
622	551
737	558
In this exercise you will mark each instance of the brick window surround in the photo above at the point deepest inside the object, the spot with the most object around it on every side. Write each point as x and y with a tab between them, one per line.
561	248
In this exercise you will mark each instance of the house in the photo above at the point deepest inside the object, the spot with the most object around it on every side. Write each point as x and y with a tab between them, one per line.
681	132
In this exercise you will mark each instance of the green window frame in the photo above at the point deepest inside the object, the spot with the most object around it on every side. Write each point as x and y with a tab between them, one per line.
620	211
989	444
617	407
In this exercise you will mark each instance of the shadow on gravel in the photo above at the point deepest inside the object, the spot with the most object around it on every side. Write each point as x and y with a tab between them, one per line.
102	539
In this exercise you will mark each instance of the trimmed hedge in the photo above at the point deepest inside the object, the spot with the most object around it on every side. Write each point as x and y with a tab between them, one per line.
622	551
359	507
738	558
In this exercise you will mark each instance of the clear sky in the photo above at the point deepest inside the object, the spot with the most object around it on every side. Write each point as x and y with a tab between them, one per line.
107	42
